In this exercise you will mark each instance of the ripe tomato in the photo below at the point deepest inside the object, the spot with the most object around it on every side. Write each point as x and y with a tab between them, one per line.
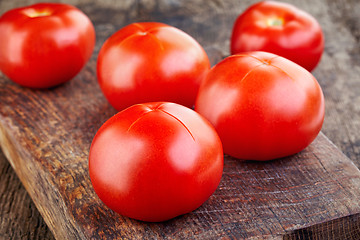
279	28
145	62
263	106
45	44
155	161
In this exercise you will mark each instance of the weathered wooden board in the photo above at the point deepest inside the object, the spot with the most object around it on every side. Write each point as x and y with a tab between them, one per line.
19	218
46	136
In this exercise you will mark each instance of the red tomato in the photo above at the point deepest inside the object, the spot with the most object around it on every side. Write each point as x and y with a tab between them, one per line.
155	161
145	62
45	44
279	28
263	106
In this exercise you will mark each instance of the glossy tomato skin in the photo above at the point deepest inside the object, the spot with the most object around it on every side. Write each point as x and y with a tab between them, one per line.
263	106
155	161
150	61
279	28
45	44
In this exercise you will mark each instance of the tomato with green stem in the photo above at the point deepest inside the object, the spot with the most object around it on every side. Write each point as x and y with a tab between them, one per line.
45	44
279	28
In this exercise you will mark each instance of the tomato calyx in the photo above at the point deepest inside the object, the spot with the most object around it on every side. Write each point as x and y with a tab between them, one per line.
158	108
142	32
34	13
264	61
275	22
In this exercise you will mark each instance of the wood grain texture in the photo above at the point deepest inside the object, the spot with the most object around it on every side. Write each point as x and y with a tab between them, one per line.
339	229
19	217
46	136
253	199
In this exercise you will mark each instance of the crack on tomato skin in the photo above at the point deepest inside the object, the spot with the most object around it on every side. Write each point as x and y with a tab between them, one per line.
161	45
139	27
141	33
153	29
159	106
139	118
273	58
283	72
251	70
267	62
127	38
246	55
148	32
177	119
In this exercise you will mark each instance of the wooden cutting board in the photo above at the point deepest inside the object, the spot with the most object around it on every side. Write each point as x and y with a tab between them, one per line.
46	136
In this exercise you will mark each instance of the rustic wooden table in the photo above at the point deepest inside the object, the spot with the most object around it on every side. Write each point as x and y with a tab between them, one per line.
210	22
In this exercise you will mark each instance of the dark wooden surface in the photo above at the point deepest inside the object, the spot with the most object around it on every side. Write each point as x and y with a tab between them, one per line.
326	208
19	218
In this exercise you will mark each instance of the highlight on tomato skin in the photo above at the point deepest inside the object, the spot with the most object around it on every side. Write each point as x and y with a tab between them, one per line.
263	106
45	44
279	28
151	61
155	161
